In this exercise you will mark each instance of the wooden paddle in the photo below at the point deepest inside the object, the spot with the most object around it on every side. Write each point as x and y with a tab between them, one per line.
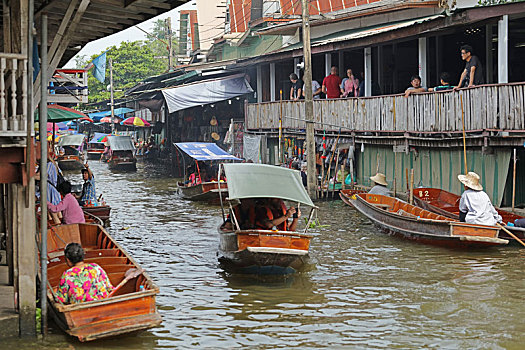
130	274
511	234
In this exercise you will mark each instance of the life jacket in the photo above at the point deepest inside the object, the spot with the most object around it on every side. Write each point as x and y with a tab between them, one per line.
242	219
269	215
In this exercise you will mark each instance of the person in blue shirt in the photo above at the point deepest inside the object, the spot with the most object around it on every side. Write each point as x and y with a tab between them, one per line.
89	194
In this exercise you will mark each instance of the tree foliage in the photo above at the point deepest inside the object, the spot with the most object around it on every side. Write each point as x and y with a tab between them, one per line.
132	62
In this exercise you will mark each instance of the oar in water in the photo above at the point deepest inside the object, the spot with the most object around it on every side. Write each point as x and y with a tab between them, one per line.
511	234
130	274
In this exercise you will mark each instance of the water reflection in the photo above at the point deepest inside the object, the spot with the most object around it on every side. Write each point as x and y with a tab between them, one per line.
365	290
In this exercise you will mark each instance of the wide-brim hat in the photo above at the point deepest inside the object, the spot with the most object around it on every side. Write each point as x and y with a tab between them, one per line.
379	178
471	180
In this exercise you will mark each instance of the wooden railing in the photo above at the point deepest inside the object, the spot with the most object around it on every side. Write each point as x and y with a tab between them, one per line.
13	94
500	106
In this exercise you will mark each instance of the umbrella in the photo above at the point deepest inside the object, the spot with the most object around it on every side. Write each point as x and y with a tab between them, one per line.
50	127
135	121
62	126
56	113
86	119
103	139
108	120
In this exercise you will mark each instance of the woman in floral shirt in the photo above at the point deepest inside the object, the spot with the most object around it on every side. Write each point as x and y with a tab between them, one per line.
82	282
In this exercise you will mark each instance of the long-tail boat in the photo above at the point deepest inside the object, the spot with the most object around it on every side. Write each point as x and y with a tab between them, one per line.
71	157
447	204
95	146
262	251
398	218
121	153
348	193
198	188
100	211
132	308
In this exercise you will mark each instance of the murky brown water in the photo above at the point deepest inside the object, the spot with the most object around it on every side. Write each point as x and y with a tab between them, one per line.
366	290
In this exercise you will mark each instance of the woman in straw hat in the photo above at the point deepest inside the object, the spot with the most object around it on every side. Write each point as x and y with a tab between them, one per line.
475	206
379	185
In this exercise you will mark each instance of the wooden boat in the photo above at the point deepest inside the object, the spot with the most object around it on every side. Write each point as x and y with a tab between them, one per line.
408	221
121	157
95	146
201	152
206	191
447	204
131	309
347	194
100	211
71	158
257	251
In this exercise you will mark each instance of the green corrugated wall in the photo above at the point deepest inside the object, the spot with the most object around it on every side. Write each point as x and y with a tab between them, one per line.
435	168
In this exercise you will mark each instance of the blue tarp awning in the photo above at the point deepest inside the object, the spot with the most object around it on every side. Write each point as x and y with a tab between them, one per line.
204	151
96	137
119	112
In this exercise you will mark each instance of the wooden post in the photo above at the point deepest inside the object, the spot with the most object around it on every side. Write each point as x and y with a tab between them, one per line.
309	103
412	186
43	174
514	181
464	137
111	95
406	179
335	175
170	44
280	126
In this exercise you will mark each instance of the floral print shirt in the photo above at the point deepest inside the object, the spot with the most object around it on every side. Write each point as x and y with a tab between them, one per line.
87	283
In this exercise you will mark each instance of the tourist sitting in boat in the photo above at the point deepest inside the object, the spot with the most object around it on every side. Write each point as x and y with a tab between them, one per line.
380	185
82	282
89	194
71	211
274	215
475	206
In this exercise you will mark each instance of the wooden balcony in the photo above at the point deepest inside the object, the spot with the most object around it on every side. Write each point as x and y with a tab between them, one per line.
13	95
499	107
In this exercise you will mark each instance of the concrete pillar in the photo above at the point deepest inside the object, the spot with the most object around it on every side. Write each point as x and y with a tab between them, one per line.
503	49
26	258
422	65
272	81
368	71
488	54
327	64
259	84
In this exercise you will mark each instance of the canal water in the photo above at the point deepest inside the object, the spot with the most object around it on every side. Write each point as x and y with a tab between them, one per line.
364	290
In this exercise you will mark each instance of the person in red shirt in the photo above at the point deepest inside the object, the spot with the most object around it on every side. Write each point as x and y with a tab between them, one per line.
332	84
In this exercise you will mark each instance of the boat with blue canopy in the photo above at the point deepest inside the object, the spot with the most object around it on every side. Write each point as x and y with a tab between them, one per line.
201	182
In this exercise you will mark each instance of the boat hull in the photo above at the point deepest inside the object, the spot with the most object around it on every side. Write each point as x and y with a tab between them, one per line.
263	252
130	310
122	165
70	164
207	191
102	212
417	224
346	195
447	204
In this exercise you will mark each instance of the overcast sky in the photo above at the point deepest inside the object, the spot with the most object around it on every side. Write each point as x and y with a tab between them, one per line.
131	34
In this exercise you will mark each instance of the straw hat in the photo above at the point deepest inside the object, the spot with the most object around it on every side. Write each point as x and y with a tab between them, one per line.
471	180
215	136
379	179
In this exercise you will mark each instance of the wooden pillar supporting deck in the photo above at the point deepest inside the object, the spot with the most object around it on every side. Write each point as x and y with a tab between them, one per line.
259	84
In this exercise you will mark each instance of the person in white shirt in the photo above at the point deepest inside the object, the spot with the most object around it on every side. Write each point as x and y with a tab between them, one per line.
380	185
475	206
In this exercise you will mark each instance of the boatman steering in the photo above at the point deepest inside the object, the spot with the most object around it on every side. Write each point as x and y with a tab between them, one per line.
380	185
88	195
475	206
